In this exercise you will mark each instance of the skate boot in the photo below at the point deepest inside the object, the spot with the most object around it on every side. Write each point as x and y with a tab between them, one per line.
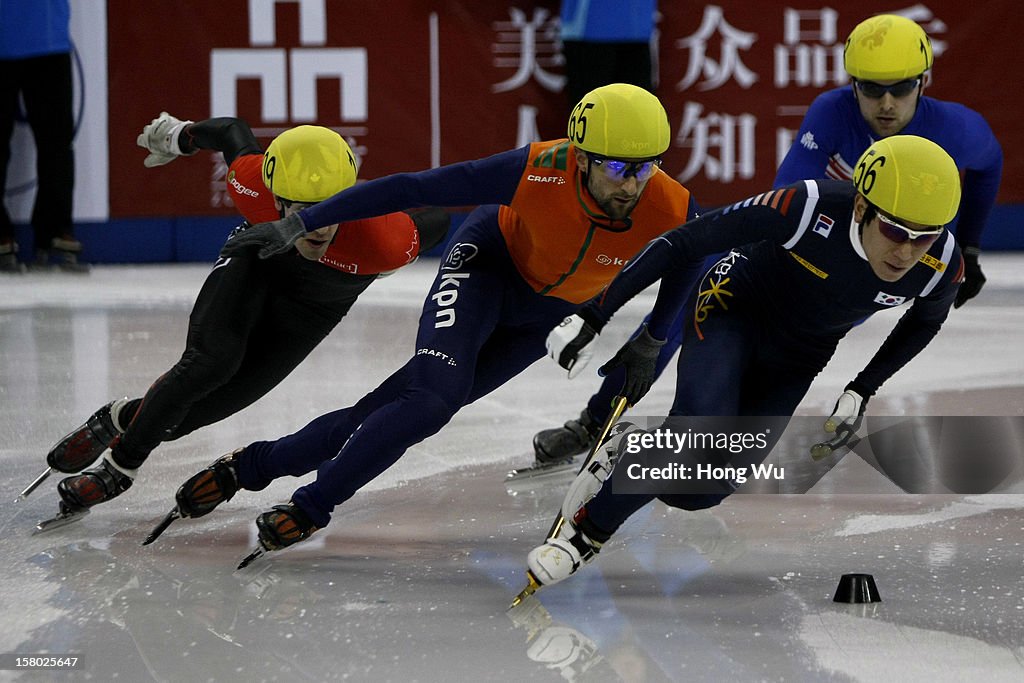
102	483
562	443
204	491
576	543
80	448
283	525
279	527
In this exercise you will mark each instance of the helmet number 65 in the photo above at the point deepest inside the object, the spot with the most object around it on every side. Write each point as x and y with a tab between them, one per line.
578	122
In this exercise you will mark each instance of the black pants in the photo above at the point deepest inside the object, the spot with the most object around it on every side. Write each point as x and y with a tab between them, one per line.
44	84
253	322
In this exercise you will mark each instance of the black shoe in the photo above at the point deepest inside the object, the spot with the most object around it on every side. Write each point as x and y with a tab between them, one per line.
204	491
562	443
80	448
284	525
65	251
9	258
95	486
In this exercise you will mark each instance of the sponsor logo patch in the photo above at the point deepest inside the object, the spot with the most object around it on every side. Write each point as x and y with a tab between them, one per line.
610	260
933	263
557	180
436	354
458	255
823	226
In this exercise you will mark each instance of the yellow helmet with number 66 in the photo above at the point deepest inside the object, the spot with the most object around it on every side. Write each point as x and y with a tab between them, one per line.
910	178
621	121
308	164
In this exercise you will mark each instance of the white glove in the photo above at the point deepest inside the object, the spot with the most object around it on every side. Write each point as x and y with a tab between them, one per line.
571	344
848	413
160	139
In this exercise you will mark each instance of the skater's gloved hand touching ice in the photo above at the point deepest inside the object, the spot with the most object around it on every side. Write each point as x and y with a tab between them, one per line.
846	416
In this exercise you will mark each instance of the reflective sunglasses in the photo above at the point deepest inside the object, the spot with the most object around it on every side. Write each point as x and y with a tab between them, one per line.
875	91
899	233
619	170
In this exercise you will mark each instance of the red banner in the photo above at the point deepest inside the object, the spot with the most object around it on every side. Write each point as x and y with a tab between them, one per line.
416	83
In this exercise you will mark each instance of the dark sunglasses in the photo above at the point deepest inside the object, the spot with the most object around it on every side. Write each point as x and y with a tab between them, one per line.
876	90
617	169
899	233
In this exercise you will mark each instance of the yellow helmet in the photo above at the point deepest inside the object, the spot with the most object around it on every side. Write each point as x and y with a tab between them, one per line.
887	47
620	120
308	164
911	178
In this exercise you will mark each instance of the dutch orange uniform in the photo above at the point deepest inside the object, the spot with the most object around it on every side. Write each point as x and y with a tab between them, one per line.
556	233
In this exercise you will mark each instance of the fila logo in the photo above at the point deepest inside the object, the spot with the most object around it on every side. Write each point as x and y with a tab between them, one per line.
889	299
824	224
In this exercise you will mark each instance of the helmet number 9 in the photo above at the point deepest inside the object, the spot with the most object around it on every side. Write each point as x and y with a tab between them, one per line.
578	122
865	175
269	163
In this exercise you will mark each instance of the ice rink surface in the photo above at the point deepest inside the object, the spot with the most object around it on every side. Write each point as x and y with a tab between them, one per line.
412	579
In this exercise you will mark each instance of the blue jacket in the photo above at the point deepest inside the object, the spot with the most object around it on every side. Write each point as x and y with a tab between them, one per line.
33	28
608	21
833	135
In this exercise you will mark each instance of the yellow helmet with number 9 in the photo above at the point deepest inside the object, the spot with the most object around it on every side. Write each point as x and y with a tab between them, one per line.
308	164
910	178
621	121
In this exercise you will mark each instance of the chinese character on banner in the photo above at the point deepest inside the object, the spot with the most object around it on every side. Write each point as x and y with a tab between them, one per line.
732	136
528	46
729	65
811	53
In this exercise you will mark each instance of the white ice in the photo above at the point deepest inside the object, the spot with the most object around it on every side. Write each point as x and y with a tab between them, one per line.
412	578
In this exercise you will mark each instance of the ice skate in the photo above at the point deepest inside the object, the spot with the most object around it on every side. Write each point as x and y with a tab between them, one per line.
202	492
554	449
551	446
561	556
81	447
83	491
280	527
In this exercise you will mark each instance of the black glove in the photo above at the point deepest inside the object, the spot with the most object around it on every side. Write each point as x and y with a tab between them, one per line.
974	279
271	238
638	356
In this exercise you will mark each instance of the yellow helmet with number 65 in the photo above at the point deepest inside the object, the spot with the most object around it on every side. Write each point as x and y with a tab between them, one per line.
621	121
911	178
308	164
